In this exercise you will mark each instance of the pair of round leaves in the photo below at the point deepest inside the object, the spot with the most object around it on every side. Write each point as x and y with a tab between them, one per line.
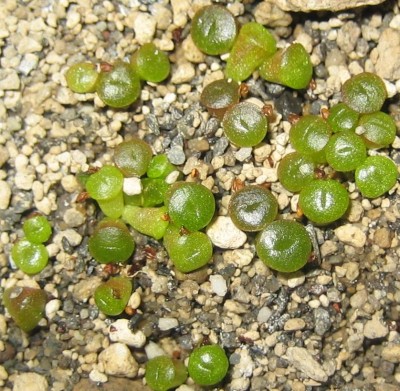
29	257
150	63
309	136
295	171
213	30
364	93
188	251
291	67
341	117
245	125
220	95
345	151
324	201
25	305
118	85
208	365
111	242
112	296
252	46
82	77
252	208
190	205
37	229
133	157
148	221
105	186
164	373
375	176
284	245
378	129
29	254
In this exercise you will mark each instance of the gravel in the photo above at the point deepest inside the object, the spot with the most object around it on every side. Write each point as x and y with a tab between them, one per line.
334	325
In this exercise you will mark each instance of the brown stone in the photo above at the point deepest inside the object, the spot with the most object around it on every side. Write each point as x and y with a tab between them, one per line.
383	237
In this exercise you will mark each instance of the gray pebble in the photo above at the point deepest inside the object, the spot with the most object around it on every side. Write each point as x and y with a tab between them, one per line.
287	104
220	146
302	360
322	321
212	126
151	121
176	155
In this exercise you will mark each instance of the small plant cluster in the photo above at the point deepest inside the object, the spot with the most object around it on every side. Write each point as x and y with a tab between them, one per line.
283	245
340	140
207	366
29	253
119	85
148	194
24	304
163	207
251	47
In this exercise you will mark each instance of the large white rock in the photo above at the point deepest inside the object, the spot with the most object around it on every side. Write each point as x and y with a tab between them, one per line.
120	332
224	234
30	381
117	360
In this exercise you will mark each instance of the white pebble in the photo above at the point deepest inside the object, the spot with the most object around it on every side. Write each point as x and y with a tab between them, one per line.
301	359
69	183
132	186
294	324
3	373
135	300
74	217
117	360
28	45
167	323
264	314
375	328
5	195
30	381
24	181
170	97
37	190
11	81
240	257
183	73
390	88
224	234
98	377
180	8
295	279
218	285
172	177
73	19
145	27
351	234
243	153
28	64
153	350
44	206
240	384
52	307
120	332
73	237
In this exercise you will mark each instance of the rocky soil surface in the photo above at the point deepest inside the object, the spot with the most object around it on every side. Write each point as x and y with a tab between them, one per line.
335	325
